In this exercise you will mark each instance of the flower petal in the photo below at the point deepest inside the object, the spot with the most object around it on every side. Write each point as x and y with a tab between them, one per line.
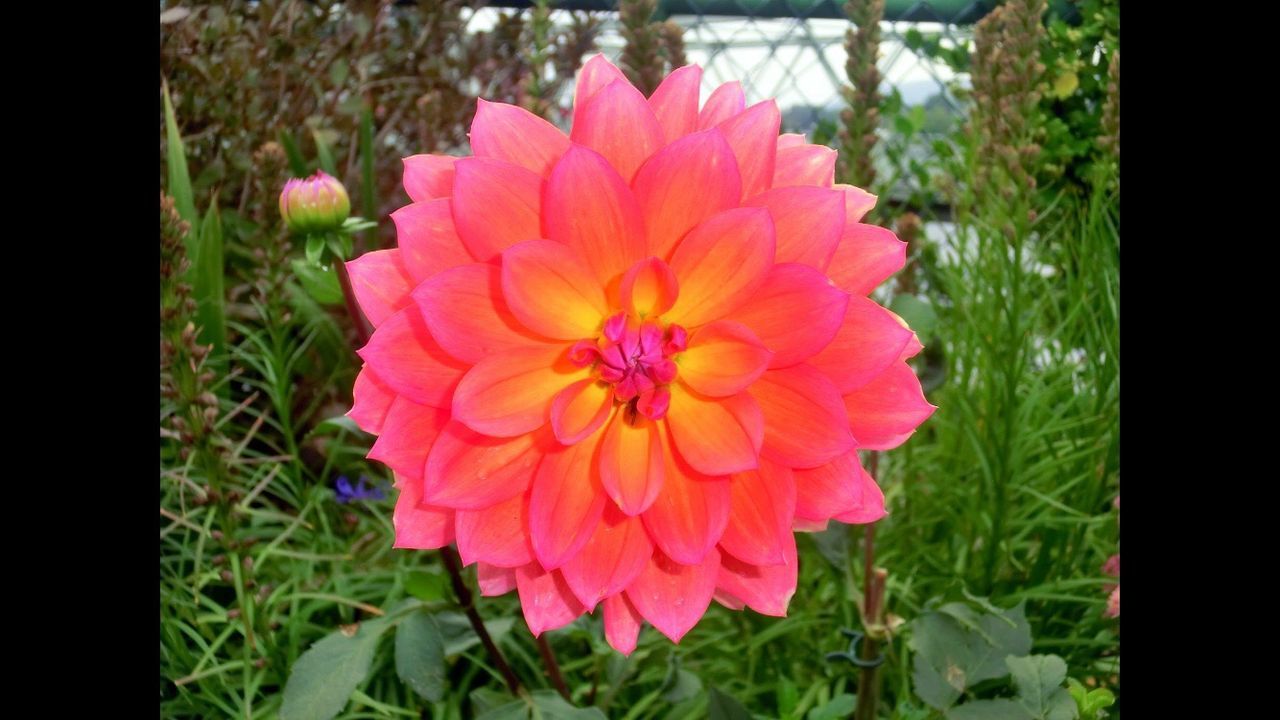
596	73
675	102
631	465
494	580
869	340
716	436
723	358
619	124
866	257
427	239
372	400
545	599
498	535
805	165
381	284
649	288
788	140
419	526
495	205
804	421
427	177
470	471
673	597
410	362
510	394
590	208
857	202
807	221
796	312
685	183
765	589
467	314
579	410
515	135
886	411
407	435
726	101
551	292
621	623
566	502
753	135
690	514
612	557
837	488
763	503
721	264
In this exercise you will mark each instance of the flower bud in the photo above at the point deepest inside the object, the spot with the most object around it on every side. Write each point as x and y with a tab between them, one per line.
316	204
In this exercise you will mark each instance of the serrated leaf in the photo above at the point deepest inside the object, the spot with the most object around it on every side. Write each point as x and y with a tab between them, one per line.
420	656
321	283
322	680
725	707
838	707
458	636
1038	679
1000	709
956	648
426	586
207	272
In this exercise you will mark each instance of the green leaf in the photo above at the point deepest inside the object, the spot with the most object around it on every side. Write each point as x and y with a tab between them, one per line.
323	153
321	682
683	686
420	656
956	648
179	179
788	696
297	164
338	248
724	707
1000	709
1092	703
321	283
549	705
458	635
340	422
515	710
485	700
833	544
918	313
839	706
315	249
207	281
426	586
1038	679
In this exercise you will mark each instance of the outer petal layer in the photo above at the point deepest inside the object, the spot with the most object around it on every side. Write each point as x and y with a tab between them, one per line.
807	221
866	257
467	315
498	535
545	599
495	205
721	264
673	597
763	503
616	552
804	422
510	394
690	514
839	488
619	124
427	239
470	471
515	135
410	362
427	177
795	313
886	411
869	340
381	284
683	184
675	102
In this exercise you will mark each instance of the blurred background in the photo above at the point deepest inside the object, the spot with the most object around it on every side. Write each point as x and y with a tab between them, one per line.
989	130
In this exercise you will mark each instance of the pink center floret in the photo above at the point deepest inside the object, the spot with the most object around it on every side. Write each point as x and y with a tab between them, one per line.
635	358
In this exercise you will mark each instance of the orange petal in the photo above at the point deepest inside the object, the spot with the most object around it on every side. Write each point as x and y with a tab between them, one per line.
621	623
767	589
551	291
407	436
619	124
723	358
612	557
596	73
467	315
789	140
649	288
721	264
753	135
419	526
805	424
566	502
763	502
495	205
427	177
675	102
796	312
716	436
685	183
580	409
808	222
831	489
470	471
867	256
673	596
372	401
427	239
631	464
726	101
857	202
497	535
515	135
545	599
493	580
381	284
886	411
690	514
510	394
869	340
410	362
590	208
805	165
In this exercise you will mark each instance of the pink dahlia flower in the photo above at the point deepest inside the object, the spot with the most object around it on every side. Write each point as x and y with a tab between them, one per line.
619	367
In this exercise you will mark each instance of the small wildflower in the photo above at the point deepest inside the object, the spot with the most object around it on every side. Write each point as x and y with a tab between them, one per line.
361	491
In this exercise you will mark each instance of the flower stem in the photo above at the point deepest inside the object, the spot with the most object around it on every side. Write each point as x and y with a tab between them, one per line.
872	610
463	594
353	308
553	667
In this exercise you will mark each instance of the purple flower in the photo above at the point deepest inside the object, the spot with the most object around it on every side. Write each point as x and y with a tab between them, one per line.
361	491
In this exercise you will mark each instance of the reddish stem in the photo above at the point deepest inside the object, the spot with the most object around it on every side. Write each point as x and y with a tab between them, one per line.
553	667
353	308
463	593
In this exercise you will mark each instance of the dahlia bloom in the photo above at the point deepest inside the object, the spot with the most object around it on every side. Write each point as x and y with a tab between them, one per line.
620	367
